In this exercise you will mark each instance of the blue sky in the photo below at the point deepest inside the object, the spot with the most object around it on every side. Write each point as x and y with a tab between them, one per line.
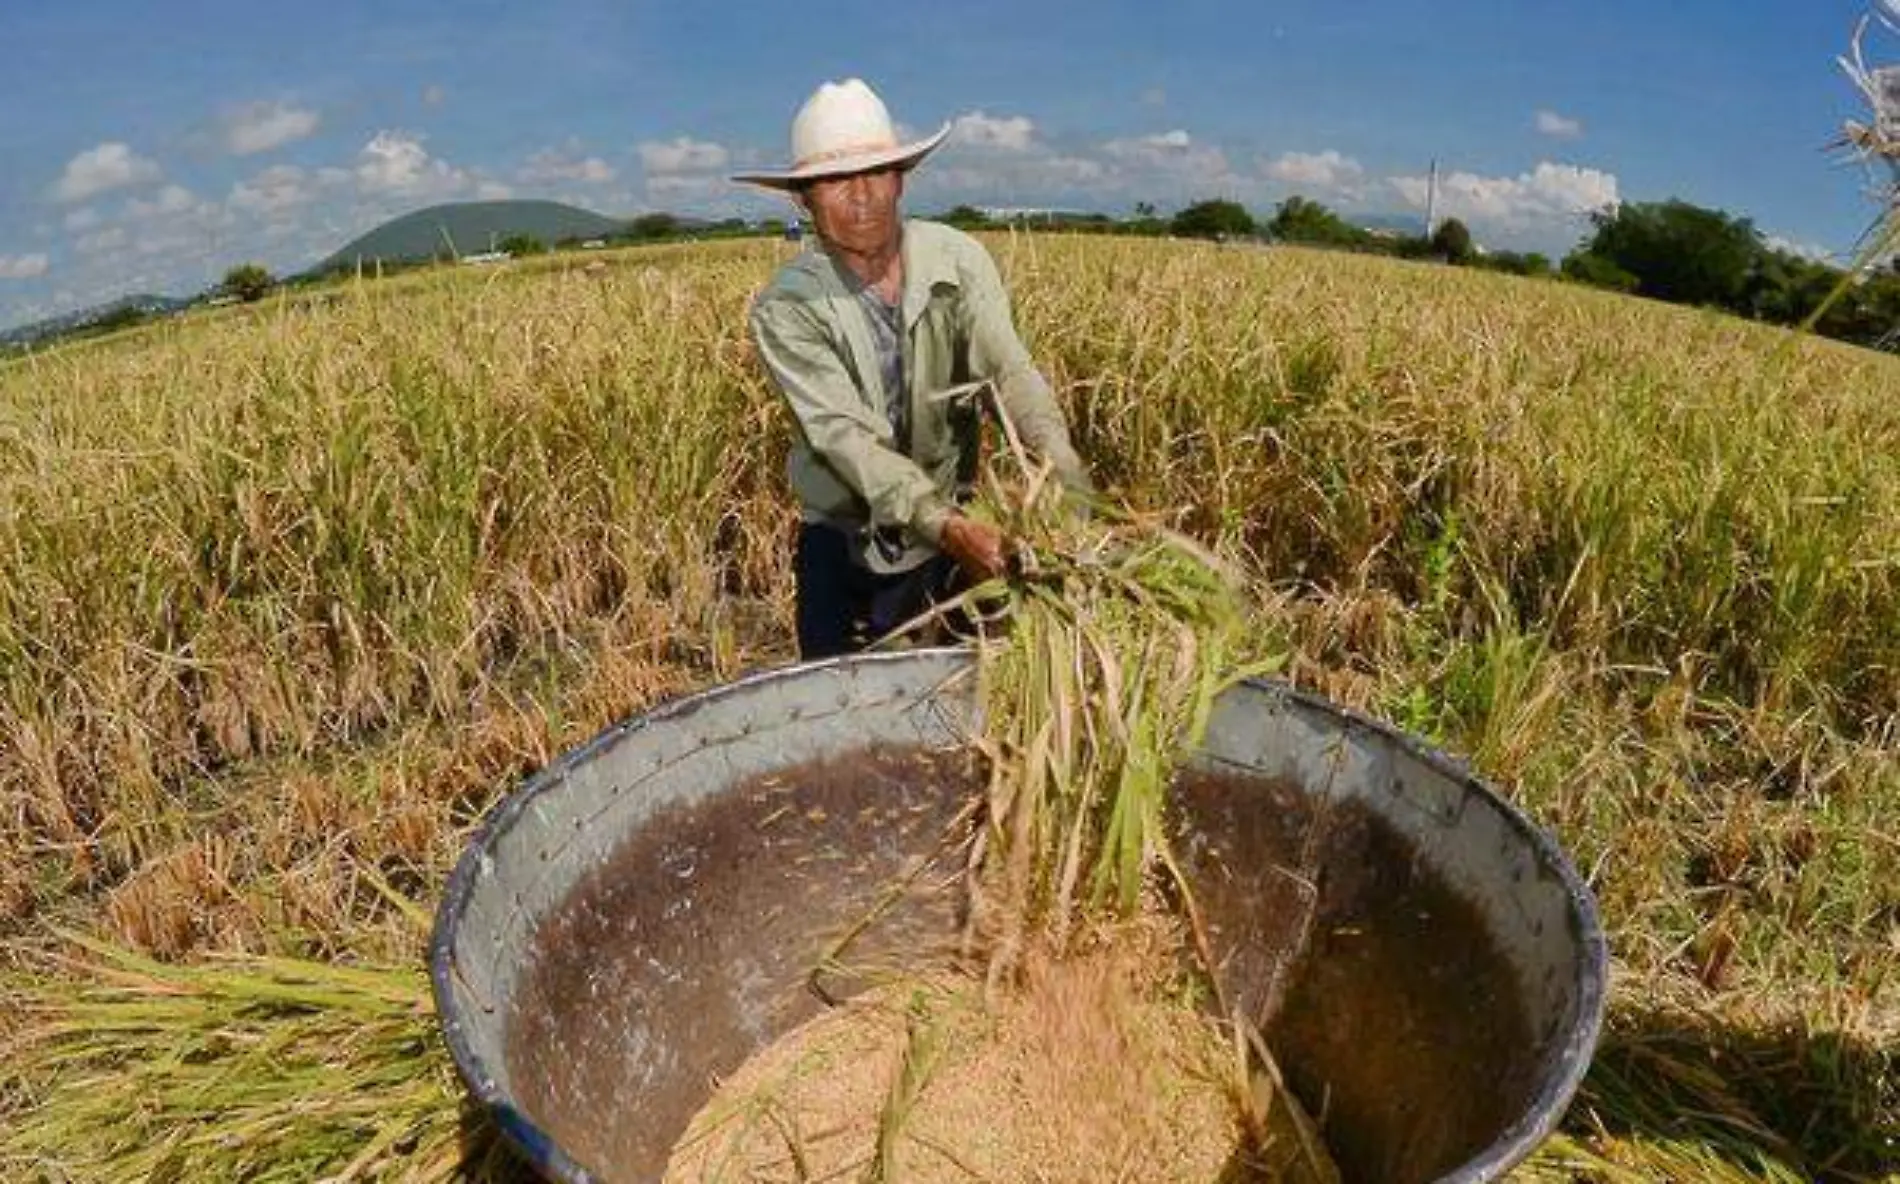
149	147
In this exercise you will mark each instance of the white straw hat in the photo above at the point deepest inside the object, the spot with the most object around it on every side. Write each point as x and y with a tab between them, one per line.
843	128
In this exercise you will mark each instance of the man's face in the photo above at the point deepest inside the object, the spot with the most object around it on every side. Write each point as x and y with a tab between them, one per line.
857	212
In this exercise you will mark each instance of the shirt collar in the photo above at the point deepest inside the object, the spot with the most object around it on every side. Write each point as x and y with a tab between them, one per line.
926	264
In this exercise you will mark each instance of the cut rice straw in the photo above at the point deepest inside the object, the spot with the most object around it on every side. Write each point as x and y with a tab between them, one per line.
120	1067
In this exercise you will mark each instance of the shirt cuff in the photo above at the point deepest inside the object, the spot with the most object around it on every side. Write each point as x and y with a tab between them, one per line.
927	522
1073	474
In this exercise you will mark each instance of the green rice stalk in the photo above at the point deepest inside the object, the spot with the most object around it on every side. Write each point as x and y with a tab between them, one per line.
1676	1105
118	1067
1272	1115
923	1049
1878	245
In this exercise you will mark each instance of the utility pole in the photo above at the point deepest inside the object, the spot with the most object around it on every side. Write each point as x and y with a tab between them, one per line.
211	256
1431	202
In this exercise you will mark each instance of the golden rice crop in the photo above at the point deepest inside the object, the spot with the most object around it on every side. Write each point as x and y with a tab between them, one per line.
296	589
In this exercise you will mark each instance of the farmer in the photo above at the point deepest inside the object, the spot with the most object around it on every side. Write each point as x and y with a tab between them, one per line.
868	333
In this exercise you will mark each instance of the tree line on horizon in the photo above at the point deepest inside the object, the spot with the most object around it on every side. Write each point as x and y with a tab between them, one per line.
1670	250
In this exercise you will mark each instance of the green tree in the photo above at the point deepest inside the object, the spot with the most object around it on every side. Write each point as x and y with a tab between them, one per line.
965	218
1147	220
1680	252
1302	220
1867	312
1403	246
1785	288
1213	219
1590	268
654	226
1452	242
519	245
123	317
248	282
1514	263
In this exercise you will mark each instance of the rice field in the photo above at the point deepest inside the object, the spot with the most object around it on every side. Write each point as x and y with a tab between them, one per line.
289	594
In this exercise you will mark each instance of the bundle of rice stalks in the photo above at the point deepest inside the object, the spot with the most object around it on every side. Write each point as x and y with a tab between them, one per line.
1099	662
117	1067
1099	659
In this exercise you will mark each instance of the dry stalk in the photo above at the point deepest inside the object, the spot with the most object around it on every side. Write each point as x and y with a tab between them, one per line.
1879	138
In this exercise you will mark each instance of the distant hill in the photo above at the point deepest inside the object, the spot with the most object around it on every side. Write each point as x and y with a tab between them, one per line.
125	307
467	228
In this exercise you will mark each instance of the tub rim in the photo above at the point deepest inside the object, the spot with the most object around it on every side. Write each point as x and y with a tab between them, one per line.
1508	1150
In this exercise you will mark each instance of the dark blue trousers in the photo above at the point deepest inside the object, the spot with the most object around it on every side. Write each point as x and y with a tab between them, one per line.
843	608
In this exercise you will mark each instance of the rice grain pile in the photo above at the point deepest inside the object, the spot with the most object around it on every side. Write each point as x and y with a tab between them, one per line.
1089	1069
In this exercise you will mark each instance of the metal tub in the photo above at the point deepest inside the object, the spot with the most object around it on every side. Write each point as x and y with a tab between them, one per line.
1443	1014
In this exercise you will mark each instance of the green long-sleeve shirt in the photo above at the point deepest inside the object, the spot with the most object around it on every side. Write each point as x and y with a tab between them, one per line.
847	467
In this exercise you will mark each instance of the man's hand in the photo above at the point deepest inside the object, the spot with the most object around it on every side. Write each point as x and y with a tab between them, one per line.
976	546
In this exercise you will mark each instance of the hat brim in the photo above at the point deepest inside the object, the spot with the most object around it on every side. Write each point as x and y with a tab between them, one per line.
905	156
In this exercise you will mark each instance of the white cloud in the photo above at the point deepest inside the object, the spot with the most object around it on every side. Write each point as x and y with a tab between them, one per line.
259	127
551	166
998	158
175	225
180	242
486	190
396	163
1150	147
1009	176
22	267
112	238
1160	149
683	155
1012	133
1010	161
708	194
1550	191
673	186
172	199
1172	161
433	96
109	166
277	189
1560	127
1813	252
1328	170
